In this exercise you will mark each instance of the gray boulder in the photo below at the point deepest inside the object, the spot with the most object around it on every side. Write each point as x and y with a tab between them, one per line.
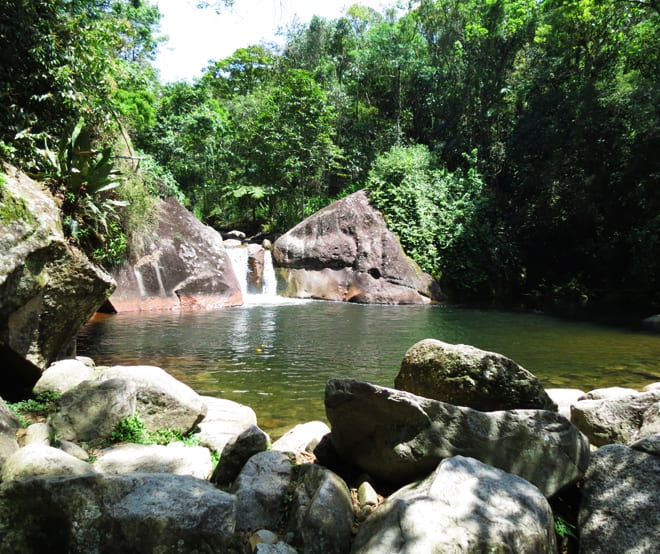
623	419
237	452
38	433
302	438
225	419
255	269
399	437
64	375
96	514
163	402
43	461
9	424
463	506
467	376
260	489
48	289
619	511
180	264
609	393
174	458
346	252
650	445
320	512
91	411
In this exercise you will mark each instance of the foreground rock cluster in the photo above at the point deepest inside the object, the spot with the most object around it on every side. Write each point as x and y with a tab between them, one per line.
396	472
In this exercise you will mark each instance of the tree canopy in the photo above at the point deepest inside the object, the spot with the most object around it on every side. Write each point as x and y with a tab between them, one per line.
511	144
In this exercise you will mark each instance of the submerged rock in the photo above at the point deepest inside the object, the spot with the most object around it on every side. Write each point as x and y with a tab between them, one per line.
398	437
346	252
467	376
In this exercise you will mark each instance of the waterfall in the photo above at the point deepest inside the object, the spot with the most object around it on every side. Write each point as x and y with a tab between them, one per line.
239	260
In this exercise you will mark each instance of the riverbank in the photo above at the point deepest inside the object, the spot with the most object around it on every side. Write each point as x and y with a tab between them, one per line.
315	490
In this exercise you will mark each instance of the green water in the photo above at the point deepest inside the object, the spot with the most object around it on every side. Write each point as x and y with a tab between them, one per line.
277	358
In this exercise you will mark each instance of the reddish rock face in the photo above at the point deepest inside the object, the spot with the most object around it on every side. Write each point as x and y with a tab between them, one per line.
182	264
346	252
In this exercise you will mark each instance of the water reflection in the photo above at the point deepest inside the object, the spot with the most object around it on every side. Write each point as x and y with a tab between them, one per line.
277	358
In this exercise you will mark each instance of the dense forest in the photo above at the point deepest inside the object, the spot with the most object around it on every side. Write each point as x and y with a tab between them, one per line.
513	145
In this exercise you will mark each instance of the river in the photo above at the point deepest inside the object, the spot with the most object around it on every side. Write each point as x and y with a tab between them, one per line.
277	357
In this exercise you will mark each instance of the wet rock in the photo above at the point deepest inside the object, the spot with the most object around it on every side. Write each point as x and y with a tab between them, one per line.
467	376
181	264
91	411
48	289
255	266
619	511
398	437
174	458
163	402
96	514
260	490
619	419
237	452
302	438
345	252
463	506
321	511
43	461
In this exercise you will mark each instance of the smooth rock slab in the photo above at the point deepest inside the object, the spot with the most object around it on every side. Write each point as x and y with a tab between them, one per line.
463	375
398	437
302	438
463	506
138	458
619	512
115	513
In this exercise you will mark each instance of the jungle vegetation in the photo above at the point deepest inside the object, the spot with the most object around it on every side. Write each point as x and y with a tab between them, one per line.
513	145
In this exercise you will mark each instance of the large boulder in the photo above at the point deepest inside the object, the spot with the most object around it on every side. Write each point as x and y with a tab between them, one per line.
260	490
320	517
181	264
91	411
163	402
115	513
619	511
621	419
48	289
463	506
398	437
63	376
467	376
346	252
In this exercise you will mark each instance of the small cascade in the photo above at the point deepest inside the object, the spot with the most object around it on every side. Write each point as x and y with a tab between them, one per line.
239	259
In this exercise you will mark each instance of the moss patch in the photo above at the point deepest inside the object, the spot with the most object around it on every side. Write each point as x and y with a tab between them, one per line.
13	208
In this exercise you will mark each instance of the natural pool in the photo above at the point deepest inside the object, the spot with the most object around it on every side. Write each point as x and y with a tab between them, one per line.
277	357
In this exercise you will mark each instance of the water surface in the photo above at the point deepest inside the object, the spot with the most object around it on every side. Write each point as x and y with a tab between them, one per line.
277	358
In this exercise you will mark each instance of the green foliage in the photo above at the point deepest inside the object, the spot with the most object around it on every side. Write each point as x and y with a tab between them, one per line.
30	409
563	528
132	429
